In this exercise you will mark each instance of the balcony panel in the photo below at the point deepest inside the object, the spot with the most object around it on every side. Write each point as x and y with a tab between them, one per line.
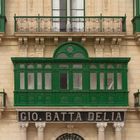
43	24
71	99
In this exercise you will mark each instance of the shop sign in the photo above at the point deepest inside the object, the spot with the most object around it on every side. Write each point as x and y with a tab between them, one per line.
71	116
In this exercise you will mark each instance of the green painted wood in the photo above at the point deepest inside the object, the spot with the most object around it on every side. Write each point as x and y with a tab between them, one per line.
136	24
2	16
70	98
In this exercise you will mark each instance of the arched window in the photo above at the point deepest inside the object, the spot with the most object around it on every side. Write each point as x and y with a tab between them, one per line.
71	50
70	136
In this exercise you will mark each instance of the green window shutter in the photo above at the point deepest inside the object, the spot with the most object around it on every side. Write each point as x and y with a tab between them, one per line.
136	7
2	7
2	15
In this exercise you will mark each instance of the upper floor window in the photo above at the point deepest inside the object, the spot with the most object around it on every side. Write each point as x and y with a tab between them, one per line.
66	9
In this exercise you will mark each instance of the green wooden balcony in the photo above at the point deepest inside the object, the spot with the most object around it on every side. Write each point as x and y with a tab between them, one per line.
89	24
110	98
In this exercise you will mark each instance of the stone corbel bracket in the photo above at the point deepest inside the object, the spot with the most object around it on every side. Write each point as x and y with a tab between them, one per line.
23	41
138	41
99	43
116	41
39	42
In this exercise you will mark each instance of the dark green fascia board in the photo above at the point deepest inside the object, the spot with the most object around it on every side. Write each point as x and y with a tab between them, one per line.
52	60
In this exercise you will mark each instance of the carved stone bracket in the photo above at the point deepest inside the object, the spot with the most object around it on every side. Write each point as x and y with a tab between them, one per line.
118	126
56	40
69	38
70	128
39	46
40	126
99	46
23	44
83	40
116	41
101	126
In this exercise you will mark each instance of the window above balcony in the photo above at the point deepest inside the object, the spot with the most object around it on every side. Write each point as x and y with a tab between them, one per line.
70	78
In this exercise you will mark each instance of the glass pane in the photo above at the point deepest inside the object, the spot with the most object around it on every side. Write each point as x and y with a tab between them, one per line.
101	80
30	80
63	4
47	66
102	66
78	55
77	66
48	81
77	4
93	66
55	4
56	13
63	66
110	66
30	66
39	66
110	81
63	80
22	66
22	80
39	80
93	81
62	55
77	81
119	66
78	13
119	81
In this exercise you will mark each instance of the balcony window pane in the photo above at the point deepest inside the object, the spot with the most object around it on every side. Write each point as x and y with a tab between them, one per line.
64	80
48	81
30	66
63	66
119	81
55	4
102	81
93	81
47	66
77	66
22	80
77	81
30	80
22	66
39	80
77	4
39	66
110	81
